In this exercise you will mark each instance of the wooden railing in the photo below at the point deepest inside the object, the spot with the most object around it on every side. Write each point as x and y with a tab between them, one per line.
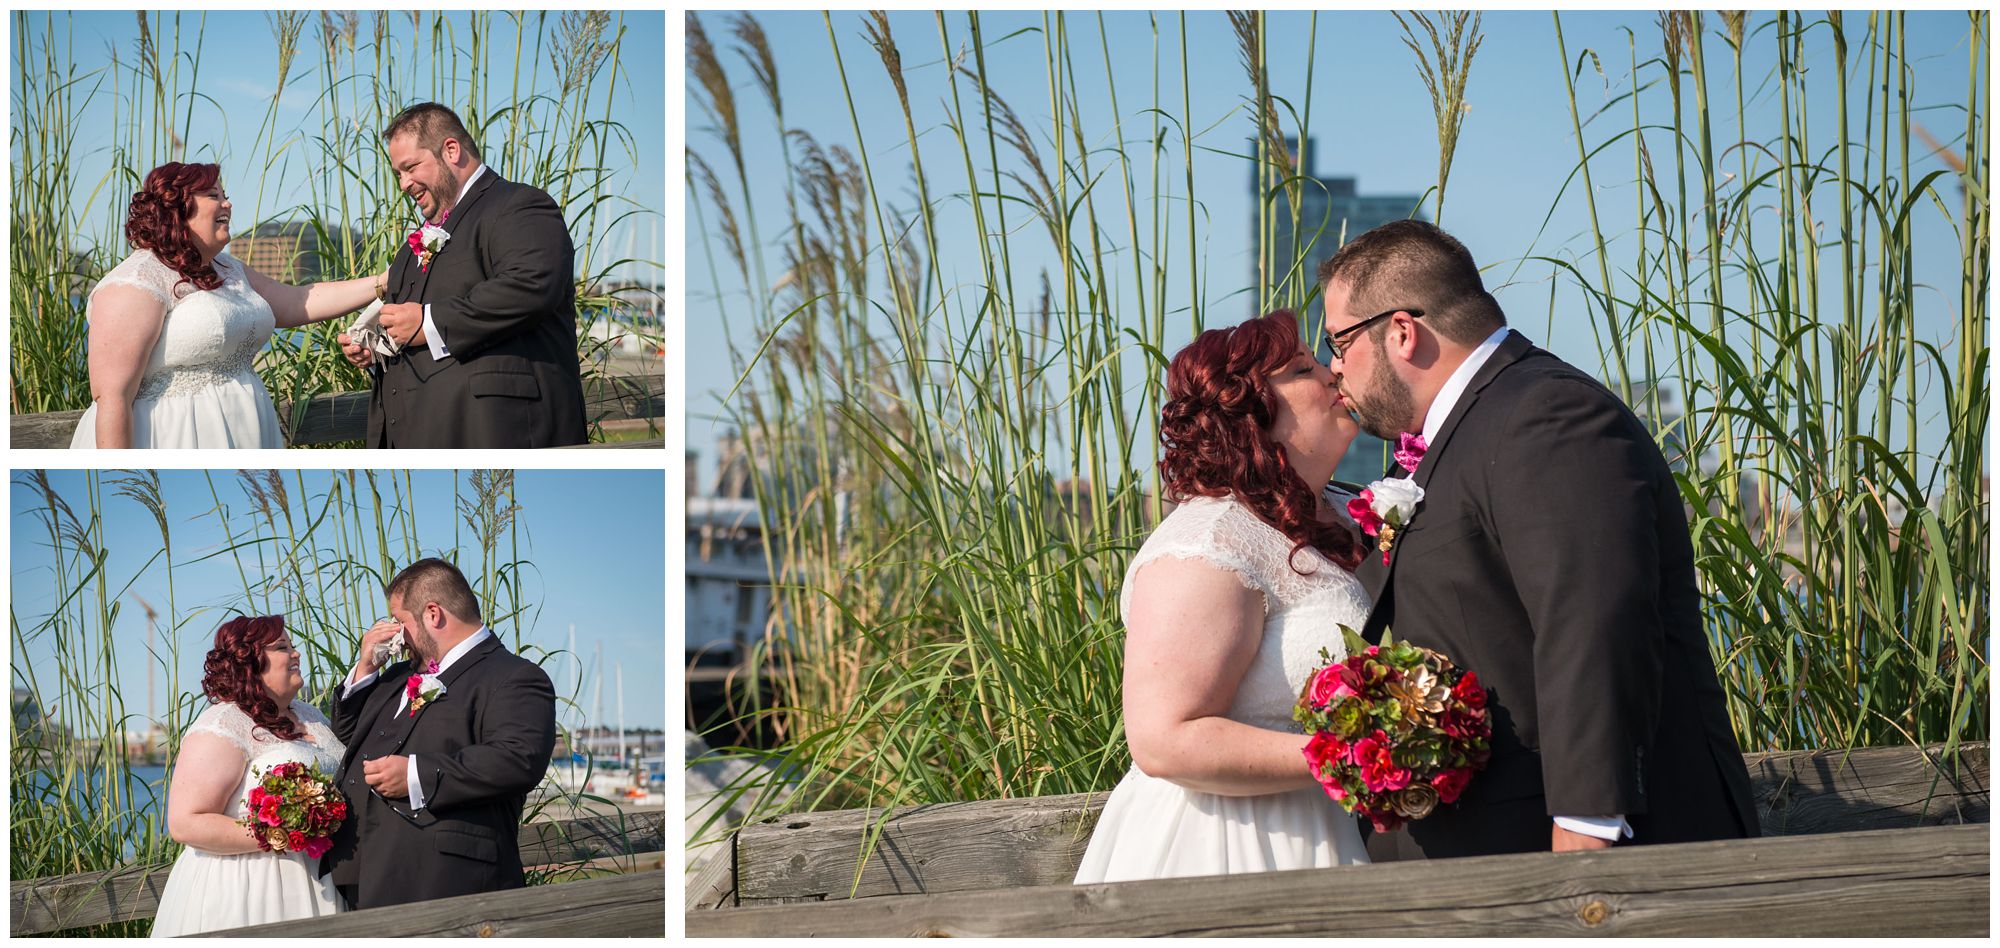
611	907
613	401
1848	836
133	892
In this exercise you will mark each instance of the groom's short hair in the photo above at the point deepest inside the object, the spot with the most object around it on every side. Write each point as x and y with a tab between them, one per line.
434	580
1413	264
432	123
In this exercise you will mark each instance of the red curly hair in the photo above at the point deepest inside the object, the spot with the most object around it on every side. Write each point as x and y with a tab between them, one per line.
230	674
1216	432
157	220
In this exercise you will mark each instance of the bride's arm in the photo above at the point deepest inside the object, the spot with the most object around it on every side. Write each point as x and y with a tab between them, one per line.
313	302
125	324
207	772
1191	634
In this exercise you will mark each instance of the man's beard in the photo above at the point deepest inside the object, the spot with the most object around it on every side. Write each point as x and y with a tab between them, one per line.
423	648
1389	410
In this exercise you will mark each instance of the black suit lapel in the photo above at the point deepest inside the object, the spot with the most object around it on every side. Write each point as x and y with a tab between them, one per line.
406	724
1512	348
458	222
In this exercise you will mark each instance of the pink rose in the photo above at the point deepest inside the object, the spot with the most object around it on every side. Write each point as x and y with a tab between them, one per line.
1470	691
1451	783
1362	509
1378	768
317	846
267	812
1333	681
1325	748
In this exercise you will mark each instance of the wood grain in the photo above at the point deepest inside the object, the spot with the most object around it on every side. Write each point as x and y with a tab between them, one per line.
956	847
343	416
1931	881
611	907
96	898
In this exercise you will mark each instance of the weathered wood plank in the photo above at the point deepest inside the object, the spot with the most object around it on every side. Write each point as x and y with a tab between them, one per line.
713	879
1931	881
1031	841
611	907
96	898
343	416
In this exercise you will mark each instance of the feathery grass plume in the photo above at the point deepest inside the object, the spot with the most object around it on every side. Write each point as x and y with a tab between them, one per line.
580	47
286	25
732	237
716	99
1014	133
1733	22
143	488
755	48
884	43
1445	72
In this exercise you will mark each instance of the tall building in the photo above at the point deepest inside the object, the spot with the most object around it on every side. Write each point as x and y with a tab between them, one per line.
290	252
1328	207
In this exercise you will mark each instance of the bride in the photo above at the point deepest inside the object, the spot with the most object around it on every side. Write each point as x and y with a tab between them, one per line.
175	327
222	880
1226	608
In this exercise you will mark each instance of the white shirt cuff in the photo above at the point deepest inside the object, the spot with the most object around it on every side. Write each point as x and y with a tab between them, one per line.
431	338
1602	827
416	789
353	686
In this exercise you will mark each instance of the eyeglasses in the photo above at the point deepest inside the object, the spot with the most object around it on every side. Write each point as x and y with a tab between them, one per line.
1339	347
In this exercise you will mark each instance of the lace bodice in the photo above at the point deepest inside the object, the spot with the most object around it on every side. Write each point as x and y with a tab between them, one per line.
209	336
1302	613
263	750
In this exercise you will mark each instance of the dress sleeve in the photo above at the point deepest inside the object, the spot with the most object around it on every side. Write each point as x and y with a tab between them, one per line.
226	721
145	271
1206	534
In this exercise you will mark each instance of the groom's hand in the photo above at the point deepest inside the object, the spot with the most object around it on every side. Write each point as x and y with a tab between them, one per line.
388	775
354	352
404	322
1565	841
378	634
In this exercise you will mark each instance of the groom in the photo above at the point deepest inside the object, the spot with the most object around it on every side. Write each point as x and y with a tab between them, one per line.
486	313
436	775
1550	555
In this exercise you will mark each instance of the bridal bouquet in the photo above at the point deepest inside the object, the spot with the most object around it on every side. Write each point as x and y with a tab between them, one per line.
1396	729
294	808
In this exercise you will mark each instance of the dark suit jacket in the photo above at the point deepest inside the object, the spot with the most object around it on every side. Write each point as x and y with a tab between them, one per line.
502	294
480	748
1551	556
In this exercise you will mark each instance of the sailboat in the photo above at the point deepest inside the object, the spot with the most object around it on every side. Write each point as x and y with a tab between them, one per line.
582	771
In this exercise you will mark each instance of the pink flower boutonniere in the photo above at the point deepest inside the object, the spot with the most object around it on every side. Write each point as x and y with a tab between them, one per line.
423	689
426	242
1410	451
1384	508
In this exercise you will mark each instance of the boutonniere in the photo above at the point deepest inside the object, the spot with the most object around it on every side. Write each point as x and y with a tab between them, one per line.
427	240
1410	451
1384	508
423	689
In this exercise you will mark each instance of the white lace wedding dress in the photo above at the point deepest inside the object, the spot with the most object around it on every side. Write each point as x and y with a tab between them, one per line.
1153	829
206	892
199	390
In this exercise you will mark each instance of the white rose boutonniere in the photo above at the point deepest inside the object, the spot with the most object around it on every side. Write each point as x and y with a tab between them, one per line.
1384	508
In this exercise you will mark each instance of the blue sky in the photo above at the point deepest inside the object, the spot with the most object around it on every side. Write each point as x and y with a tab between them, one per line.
595	540
237	75
1371	119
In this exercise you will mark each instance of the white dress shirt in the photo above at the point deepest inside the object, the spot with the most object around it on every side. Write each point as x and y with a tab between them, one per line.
1602	827
457	651
431	338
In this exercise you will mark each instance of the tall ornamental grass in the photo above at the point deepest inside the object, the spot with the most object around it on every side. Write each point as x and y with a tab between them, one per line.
953	471
318	559
357	71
